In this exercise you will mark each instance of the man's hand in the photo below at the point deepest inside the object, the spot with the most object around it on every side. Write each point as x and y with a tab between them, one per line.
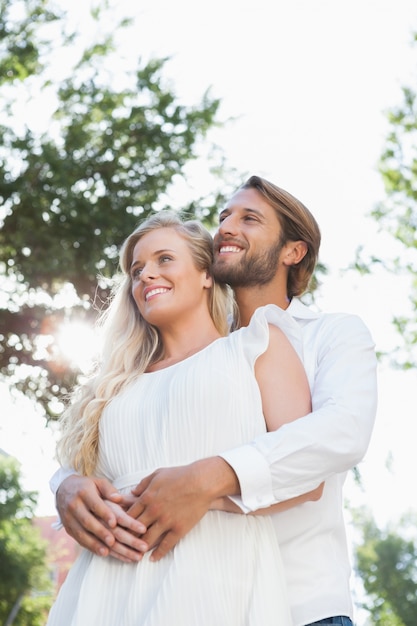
95	524
171	501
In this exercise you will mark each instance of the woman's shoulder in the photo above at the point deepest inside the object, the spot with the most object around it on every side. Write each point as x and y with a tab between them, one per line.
255	337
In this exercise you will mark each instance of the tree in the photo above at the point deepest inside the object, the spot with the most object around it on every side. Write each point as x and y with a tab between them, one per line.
386	561
397	213
115	143
25	589
20	50
386	558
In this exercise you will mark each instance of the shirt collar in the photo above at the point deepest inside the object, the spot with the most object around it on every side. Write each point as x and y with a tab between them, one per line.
300	311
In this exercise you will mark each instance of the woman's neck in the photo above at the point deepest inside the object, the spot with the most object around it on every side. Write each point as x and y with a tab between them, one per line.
179	344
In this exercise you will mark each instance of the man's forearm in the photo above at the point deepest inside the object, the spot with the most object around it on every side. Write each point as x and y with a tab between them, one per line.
217	477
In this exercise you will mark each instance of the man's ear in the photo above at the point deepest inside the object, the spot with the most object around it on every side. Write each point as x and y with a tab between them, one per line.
295	252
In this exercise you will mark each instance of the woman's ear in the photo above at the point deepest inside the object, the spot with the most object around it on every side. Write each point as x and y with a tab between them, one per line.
207	280
296	251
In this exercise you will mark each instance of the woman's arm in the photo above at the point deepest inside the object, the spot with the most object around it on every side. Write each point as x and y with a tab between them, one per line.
282	381
285	397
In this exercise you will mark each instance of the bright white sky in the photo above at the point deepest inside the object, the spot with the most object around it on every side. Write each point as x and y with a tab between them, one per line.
308	81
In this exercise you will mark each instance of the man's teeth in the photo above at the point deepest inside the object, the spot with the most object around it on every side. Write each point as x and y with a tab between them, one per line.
230	249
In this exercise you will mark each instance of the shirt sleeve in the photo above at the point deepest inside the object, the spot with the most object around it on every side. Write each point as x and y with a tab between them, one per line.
57	478
331	439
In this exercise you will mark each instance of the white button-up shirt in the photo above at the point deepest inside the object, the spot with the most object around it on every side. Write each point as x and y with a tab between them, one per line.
340	361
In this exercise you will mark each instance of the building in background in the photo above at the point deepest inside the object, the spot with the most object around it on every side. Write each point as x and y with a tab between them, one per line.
62	549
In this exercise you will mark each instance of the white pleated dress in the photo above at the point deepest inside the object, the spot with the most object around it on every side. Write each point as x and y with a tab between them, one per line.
227	571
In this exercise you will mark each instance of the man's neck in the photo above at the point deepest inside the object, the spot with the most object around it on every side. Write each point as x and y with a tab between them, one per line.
248	299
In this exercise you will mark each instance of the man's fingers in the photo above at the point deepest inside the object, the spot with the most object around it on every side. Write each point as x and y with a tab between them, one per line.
170	502
136	510
166	544
125	520
144	483
155	534
128	544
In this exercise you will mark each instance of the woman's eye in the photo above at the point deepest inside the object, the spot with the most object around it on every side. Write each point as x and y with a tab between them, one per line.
165	258
137	272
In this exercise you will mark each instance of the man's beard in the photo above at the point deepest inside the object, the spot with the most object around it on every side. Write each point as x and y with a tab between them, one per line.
249	272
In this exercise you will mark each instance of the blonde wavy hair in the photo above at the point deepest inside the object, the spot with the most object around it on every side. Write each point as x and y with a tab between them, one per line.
130	344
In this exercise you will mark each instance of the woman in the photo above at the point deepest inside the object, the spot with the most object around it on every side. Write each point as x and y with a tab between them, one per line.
173	388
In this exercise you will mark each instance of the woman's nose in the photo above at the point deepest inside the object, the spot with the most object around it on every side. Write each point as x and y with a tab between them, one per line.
149	271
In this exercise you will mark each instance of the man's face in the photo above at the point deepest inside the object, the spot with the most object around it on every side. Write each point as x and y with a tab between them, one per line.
247	244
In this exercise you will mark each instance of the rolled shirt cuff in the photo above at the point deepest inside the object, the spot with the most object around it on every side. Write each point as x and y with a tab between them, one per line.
254	477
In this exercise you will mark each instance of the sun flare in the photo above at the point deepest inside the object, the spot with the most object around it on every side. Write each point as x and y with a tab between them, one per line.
78	343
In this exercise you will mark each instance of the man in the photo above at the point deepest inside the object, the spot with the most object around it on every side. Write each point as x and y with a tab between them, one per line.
266	248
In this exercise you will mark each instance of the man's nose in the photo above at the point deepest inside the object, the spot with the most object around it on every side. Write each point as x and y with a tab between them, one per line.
228	225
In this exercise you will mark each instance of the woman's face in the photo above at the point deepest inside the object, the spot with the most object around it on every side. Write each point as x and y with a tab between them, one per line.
166	285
